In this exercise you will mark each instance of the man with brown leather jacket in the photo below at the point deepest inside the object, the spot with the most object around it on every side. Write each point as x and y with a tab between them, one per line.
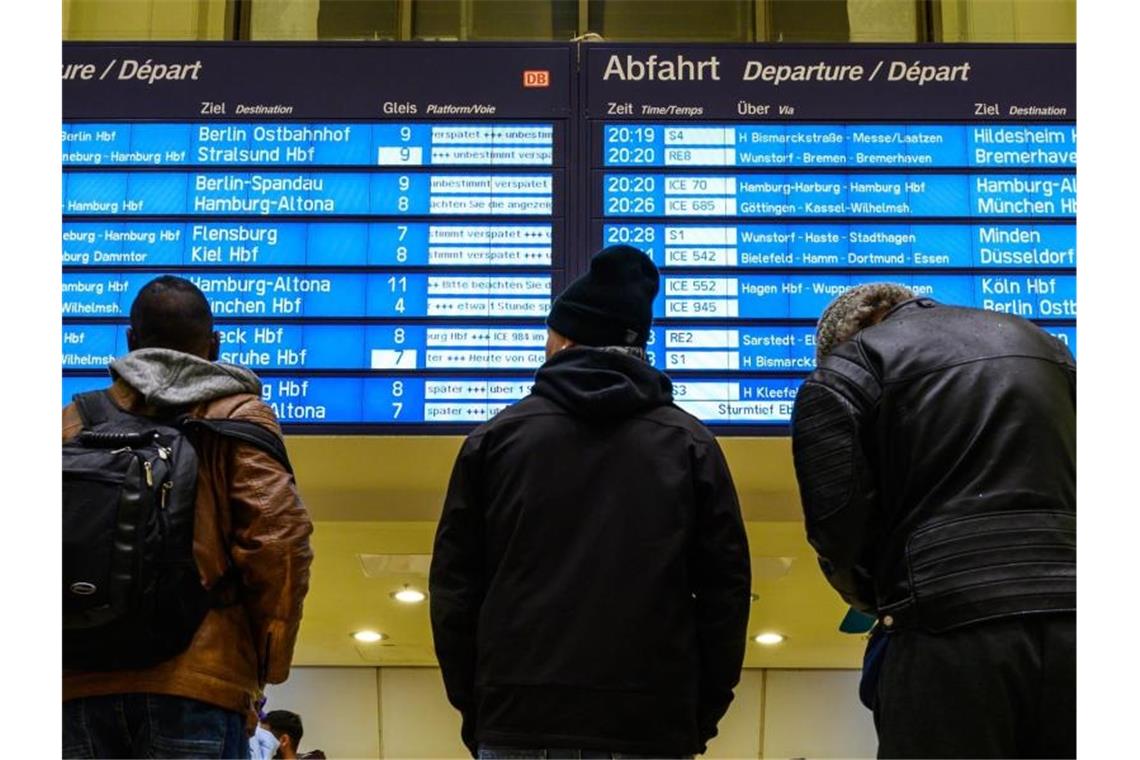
249	523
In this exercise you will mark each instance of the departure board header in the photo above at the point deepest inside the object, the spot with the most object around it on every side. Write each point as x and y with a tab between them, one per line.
798	83
291	82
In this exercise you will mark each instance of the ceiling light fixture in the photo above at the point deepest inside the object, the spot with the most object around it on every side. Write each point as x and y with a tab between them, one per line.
369	637
769	638
408	595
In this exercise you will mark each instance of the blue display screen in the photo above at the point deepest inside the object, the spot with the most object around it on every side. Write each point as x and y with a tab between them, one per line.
309	399
852	246
763	250
308	144
798	296
306	399
872	146
309	244
385	257
754	349
290	346
840	195
306	194
303	346
396	295
359	246
762	197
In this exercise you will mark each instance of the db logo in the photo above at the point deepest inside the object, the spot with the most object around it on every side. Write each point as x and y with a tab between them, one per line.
536	79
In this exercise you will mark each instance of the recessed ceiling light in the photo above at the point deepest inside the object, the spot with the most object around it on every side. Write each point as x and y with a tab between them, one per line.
369	637
769	638
409	595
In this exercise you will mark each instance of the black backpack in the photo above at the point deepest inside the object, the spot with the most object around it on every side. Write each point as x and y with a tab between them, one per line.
132	595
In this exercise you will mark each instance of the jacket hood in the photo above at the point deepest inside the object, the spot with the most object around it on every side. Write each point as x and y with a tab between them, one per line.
171	378
596	383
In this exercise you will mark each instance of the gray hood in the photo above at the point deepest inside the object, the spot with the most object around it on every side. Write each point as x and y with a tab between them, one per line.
172	378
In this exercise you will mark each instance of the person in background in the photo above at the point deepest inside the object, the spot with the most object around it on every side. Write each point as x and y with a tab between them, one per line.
286	727
590	582
250	528
263	744
935	449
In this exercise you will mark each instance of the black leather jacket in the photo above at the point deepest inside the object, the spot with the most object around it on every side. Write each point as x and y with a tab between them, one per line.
936	456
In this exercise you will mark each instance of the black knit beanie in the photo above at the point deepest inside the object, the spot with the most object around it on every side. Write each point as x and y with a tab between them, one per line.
610	305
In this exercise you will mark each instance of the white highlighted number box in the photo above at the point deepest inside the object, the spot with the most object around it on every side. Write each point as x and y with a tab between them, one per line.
389	358
714	236
739	411
700	186
700	257
689	339
700	206
700	136
701	307
702	287
700	156
407	155
702	360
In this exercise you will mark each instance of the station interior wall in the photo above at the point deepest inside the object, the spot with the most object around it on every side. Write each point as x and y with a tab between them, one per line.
402	712
951	21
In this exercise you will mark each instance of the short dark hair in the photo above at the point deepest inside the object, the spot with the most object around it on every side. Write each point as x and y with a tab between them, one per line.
170	312
285	722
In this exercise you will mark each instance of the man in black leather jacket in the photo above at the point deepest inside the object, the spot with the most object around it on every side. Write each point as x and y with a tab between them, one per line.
590	583
935	449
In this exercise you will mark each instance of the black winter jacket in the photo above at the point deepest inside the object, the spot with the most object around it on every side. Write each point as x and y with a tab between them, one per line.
936	456
590	583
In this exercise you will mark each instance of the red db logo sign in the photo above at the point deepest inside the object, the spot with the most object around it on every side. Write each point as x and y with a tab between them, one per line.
536	79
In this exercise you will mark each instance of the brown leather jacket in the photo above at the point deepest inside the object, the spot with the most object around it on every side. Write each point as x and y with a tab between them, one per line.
250	515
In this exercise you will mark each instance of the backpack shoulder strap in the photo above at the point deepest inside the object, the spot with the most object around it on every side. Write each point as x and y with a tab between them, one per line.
247	432
96	407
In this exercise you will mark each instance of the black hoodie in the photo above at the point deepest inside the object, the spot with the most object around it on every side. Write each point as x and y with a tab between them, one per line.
590	581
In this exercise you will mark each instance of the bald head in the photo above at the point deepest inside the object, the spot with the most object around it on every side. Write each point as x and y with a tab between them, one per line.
170	312
856	309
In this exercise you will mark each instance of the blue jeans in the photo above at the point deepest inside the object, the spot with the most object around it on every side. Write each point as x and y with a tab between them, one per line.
490	752
151	725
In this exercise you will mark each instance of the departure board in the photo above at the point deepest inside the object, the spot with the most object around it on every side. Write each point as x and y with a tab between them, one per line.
764	181
378	228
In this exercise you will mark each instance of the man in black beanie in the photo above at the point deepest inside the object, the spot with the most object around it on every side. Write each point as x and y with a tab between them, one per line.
590	582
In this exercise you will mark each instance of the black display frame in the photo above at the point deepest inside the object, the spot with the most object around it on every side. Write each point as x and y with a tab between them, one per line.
578	125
